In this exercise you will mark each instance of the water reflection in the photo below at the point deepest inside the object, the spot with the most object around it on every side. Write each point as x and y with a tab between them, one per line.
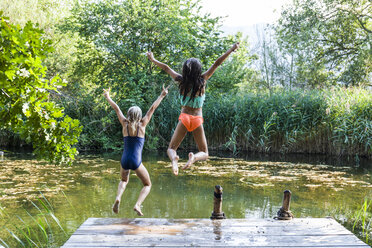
217	229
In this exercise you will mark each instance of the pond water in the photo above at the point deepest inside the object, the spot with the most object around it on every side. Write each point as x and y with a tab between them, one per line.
253	188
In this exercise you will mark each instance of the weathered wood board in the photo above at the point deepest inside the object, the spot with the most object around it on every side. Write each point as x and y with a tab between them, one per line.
303	232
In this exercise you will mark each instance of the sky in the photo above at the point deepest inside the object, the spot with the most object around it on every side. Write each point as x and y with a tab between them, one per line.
244	12
246	16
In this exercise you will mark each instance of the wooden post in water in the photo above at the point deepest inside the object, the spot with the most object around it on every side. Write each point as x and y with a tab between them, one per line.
284	213
217	213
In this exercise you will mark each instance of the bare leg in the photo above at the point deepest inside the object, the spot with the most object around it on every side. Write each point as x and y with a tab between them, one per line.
201	141
122	184
175	142
142	173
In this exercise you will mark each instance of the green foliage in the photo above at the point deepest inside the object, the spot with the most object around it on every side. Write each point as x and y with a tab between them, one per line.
336	121
350	114
25	107
113	39
46	14
265	122
276	68
103	44
363	218
329	40
235	72
116	35
35	229
43	12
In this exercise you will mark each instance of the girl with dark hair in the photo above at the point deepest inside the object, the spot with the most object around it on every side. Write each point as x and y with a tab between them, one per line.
192	84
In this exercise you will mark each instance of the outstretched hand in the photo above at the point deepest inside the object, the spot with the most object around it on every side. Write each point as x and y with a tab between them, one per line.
106	92
165	91
150	56
235	46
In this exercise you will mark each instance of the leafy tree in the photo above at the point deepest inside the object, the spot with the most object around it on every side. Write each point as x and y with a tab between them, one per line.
276	68
236	72
330	40
113	39
116	35
25	107
45	13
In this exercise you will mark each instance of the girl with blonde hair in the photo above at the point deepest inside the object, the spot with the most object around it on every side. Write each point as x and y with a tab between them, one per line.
134	127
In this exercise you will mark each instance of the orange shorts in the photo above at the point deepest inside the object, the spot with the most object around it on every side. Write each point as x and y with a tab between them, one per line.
191	122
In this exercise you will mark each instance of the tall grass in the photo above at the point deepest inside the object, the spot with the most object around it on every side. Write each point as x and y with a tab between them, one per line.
363	219
36	229
336	121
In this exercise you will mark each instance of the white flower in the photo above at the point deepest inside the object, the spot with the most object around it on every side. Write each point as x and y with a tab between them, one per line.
52	125
27	44
23	73
25	108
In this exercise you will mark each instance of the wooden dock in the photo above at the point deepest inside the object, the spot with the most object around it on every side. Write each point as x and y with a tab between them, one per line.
301	232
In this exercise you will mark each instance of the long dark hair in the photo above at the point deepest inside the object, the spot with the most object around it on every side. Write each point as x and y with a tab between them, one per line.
192	79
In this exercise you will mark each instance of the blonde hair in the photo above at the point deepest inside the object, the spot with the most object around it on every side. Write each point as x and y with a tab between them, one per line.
134	116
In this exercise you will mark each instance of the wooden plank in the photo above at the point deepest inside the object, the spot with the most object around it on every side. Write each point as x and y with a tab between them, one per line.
209	240
303	232
263	227
104	246
325	223
251	230
230	222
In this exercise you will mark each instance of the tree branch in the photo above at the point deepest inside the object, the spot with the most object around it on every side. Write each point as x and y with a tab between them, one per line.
5	93
362	25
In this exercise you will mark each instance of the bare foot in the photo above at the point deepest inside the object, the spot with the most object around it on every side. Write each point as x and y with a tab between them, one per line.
190	162
137	209
175	165
115	207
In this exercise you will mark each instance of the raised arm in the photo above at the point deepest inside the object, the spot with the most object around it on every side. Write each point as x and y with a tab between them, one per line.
162	66
120	115
206	75
146	119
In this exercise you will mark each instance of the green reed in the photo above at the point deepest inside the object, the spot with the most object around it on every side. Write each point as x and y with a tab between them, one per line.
36	229
363	219
356	217
335	121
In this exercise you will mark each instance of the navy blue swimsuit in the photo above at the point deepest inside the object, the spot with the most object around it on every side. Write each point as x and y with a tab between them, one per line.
132	153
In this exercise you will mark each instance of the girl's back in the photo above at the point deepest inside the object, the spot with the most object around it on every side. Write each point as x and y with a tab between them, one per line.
132	150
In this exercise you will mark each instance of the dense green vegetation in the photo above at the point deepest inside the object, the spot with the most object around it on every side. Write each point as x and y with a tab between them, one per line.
24	100
40	228
288	95
329	41
332	121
